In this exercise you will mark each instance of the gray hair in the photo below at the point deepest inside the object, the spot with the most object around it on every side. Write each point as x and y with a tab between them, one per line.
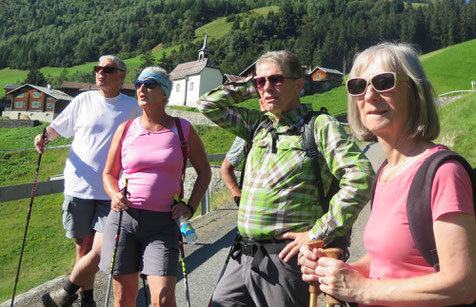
423	120
161	72
286	60
119	63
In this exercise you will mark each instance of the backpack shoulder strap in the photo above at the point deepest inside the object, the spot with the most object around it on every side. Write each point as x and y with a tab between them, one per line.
183	146
419	203
263	123
309	145
126	128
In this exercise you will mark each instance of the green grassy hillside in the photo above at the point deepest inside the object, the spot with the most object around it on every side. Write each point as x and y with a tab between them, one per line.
458	127
215	29
452	68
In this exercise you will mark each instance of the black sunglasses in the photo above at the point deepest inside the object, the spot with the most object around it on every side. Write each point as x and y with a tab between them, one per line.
150	84
381	82
275	81
106	69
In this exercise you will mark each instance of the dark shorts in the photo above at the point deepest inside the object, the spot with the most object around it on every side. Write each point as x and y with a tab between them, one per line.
148	242
82	217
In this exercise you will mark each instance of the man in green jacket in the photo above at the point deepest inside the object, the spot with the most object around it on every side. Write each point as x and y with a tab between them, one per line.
280	208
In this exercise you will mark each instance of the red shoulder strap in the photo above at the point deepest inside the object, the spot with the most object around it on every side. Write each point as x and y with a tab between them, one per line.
183	146
126	128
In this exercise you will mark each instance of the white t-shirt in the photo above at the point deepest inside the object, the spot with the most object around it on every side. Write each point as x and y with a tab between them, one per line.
92	119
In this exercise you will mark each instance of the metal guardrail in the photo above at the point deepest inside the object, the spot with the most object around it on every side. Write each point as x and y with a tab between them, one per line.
452	93
21	191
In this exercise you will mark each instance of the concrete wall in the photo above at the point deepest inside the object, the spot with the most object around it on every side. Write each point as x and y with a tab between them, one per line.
18	123
32	115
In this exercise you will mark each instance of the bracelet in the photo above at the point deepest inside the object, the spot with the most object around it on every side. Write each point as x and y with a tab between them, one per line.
190	207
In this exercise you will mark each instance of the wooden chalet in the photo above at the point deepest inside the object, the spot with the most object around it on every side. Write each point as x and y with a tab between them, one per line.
321	79
36	103
74	88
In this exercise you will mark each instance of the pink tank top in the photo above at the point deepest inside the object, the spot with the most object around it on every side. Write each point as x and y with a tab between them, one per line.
152	161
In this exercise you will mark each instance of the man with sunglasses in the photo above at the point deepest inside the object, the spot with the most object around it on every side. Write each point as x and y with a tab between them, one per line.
280	209
91	118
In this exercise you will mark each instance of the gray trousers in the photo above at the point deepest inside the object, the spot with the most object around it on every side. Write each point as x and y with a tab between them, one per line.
276	284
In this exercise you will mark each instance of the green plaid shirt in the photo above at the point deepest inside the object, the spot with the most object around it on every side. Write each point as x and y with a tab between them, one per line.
279	191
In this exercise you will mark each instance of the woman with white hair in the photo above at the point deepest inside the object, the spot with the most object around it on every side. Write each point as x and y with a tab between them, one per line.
391	100
147	151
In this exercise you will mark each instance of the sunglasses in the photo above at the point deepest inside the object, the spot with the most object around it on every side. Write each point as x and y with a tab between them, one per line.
381	82
106	69
274	80
150	84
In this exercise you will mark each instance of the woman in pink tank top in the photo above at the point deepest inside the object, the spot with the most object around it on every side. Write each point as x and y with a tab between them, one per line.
391	101
148	152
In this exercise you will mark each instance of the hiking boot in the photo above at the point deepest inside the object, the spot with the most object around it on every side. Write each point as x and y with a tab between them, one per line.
59	298
88	303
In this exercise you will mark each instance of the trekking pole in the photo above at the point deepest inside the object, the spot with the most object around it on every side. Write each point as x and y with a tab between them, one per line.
144	284
184	271
335	253
314	286
33	190
113	260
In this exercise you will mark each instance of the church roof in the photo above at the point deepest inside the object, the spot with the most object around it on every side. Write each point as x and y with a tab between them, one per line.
191	68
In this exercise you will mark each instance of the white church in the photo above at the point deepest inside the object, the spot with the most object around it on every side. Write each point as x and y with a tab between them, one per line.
193	79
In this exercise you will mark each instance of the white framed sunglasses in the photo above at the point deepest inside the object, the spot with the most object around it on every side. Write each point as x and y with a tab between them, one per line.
381	82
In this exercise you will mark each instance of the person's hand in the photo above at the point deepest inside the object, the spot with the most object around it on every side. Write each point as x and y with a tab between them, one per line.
292	248
40	143
237	200
307	259
119	202
181	210
336	278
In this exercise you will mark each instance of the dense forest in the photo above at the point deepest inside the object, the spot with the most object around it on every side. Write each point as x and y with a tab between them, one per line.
37	33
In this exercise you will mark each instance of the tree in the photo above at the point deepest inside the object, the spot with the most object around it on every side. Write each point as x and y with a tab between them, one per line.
36	77
147	59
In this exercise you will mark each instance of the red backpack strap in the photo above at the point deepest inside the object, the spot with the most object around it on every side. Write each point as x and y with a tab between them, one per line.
183	146
126	128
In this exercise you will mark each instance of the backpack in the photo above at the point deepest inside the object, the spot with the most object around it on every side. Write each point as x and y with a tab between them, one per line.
306	129
419	201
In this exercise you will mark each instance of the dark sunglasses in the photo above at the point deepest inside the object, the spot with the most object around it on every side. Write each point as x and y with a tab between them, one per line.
275	81
150	84
381	82
106	69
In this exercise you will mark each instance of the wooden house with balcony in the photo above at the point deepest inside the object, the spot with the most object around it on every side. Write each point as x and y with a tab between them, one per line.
321	79
35	102
74	88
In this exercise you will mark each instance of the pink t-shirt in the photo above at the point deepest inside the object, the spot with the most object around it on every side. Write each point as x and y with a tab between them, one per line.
152	161
387	236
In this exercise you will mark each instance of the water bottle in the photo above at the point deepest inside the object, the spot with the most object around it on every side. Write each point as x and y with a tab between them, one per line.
187	230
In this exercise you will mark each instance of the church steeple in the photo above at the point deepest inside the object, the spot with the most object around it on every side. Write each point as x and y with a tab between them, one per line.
203	52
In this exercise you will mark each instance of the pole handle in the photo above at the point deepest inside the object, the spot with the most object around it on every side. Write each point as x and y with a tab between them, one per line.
314	286
335	253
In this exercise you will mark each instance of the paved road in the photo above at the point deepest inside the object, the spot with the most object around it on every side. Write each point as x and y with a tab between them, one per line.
204	260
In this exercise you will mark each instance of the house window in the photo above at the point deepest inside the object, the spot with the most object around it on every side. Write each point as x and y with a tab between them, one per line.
36	95
49	105
191	86
21	95
35	104
177	88
19	104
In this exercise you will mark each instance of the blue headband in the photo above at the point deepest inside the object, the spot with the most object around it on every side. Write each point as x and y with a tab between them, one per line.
164	85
